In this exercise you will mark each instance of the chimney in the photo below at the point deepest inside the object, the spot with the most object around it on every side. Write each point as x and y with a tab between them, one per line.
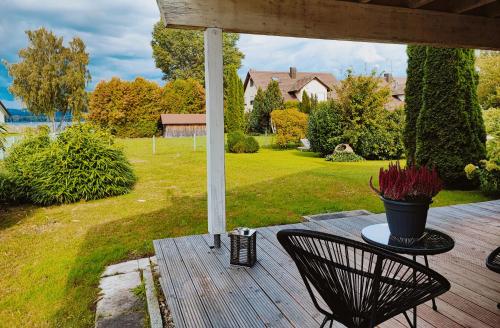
387	77
293	72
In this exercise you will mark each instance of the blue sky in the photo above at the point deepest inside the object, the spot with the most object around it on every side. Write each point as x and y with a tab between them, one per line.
118	35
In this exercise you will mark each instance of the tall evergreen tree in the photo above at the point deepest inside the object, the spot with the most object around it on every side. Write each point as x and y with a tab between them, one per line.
255	118
448	133
273	100
413	97
305	104
235	103
263	104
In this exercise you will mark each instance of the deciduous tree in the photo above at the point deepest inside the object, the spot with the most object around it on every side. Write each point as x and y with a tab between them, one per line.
488	89
183	97
51	77
180	53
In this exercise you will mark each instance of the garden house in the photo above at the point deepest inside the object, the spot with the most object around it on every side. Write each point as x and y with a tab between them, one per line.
183	125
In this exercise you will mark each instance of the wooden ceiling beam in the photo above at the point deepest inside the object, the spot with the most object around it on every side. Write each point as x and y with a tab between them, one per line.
326	19
418	3
462	6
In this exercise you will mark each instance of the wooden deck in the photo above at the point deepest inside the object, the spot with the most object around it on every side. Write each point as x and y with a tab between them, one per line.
203	290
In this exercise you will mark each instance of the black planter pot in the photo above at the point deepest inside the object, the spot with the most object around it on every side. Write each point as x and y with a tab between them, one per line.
406	219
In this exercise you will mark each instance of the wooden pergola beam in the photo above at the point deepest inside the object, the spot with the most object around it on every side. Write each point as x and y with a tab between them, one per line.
462	6
326	19
418	3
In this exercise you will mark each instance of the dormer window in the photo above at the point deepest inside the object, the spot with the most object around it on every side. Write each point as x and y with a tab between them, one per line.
251	82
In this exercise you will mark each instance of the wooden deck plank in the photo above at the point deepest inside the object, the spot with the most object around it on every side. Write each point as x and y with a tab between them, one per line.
204	290
266	309
292	309
166	282
189	302
207	289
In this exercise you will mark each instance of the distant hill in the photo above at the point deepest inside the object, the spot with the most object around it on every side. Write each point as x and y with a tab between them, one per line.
24	115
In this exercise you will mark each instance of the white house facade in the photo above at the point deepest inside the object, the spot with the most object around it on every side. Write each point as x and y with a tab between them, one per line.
292	84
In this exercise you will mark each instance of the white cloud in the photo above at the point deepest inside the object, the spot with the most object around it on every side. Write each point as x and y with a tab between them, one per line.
118	36
278	53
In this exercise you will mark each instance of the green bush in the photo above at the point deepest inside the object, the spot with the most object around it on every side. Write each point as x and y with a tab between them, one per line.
344	157
138	129
80	164
290	125
382	141
238	142
488	175
324	129
9	192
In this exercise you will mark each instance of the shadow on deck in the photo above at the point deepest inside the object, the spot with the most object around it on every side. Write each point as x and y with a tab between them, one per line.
203	290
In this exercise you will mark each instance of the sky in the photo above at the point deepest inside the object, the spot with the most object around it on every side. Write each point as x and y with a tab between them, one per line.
118	36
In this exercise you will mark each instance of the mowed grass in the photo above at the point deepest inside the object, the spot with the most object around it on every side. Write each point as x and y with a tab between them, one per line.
51	257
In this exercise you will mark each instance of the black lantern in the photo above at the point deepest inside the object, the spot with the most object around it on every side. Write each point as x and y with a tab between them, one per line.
243	246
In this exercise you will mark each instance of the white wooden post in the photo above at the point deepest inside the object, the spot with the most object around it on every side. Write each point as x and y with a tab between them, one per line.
216	175
194	141
154	144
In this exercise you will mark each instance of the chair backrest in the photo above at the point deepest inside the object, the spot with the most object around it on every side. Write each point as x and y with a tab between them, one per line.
306	143
361	284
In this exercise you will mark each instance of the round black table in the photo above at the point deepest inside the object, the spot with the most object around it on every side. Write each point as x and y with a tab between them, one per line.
432	242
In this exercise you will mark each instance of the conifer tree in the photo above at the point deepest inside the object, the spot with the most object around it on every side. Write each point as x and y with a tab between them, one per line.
448	132
413	97
255	115
235	103
305	104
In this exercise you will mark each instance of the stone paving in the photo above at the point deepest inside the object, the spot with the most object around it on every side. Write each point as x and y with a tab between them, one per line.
118	306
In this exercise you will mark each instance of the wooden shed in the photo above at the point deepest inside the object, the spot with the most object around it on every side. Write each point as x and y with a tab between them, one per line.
183	125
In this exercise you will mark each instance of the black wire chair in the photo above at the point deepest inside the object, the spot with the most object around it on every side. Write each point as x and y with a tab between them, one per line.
362	285
493	263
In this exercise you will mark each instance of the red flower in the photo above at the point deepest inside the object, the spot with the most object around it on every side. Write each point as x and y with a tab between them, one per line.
408	184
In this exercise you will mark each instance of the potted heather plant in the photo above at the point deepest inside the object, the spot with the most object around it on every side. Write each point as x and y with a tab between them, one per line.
407	193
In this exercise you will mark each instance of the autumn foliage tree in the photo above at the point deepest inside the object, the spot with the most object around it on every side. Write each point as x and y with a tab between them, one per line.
128	109
51	77
183	97
133	108
290	126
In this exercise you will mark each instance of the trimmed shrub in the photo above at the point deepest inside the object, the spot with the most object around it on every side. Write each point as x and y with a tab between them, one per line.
290	125
450	132
138	129
234	103
413	97
324	129
238	142
81	164
344	157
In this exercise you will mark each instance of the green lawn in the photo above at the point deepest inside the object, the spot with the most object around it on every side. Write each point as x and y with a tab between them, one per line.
51	257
